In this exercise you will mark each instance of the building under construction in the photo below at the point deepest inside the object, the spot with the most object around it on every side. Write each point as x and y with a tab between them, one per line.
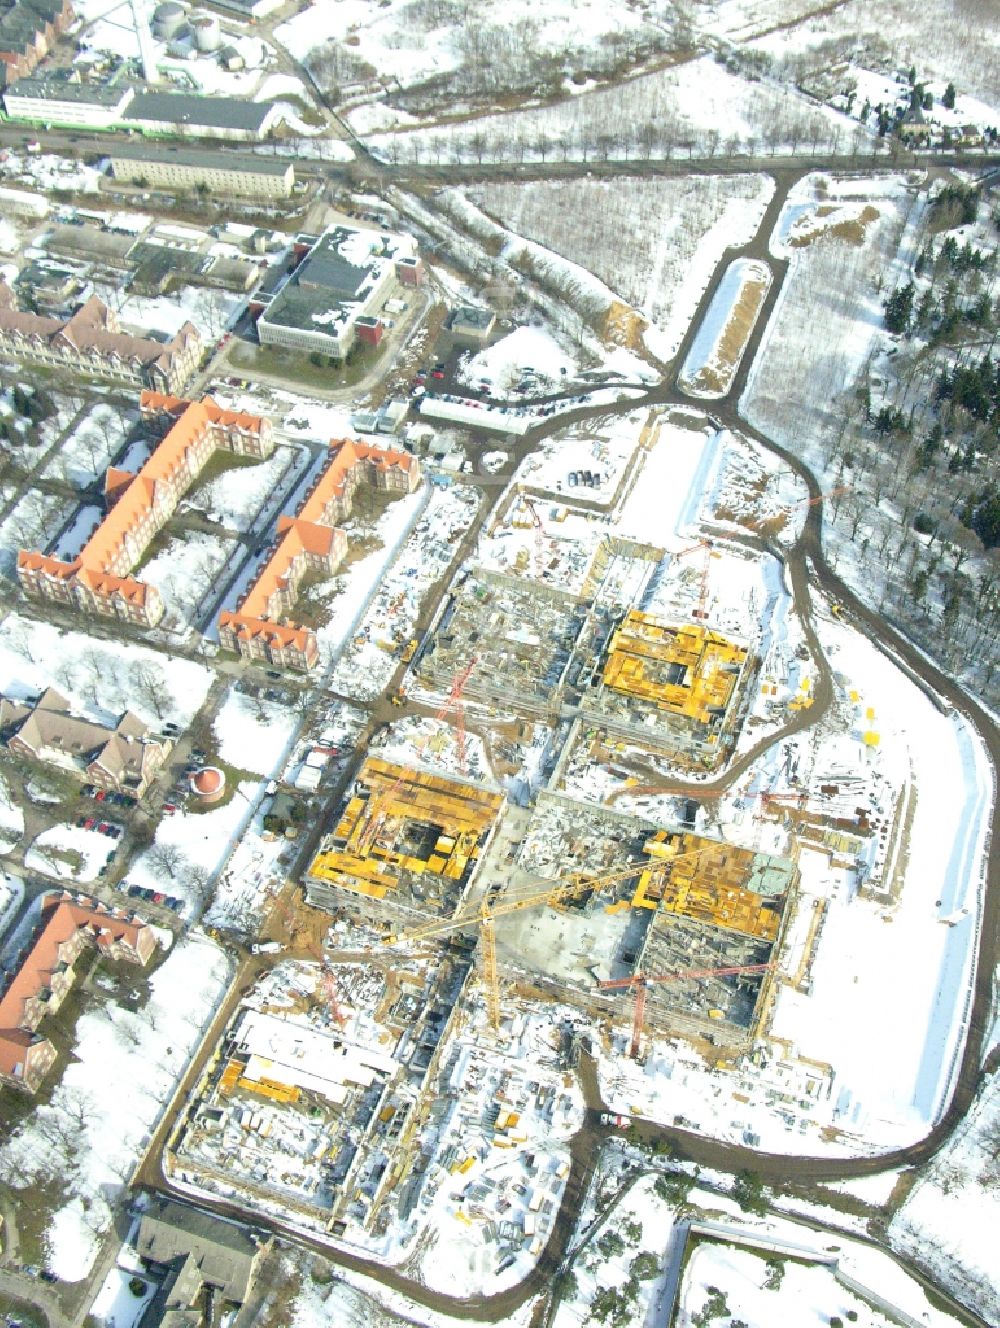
521	633
406	840
661	903
678	685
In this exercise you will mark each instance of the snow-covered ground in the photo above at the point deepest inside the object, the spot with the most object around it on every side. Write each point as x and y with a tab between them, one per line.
126	1062
11	897
99	678
949	1220
678	231
254	734
187	571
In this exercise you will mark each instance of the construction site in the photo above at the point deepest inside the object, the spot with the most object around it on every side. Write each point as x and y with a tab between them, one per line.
408	841
318	1086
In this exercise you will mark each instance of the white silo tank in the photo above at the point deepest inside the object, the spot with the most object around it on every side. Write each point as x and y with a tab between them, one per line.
207	34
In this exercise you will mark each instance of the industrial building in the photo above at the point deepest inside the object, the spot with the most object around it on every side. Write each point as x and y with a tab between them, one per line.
346	275
407	841
225	174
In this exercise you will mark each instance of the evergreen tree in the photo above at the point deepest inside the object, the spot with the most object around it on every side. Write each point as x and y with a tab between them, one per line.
949	97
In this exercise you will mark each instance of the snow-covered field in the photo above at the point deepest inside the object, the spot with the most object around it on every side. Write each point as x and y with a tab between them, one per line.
678	230
254	734
87	1139
697	106
949	1220
823	325
933	36
100	678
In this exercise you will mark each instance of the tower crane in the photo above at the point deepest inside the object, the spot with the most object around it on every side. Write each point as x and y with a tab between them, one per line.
705	544
536	521
641	982
377	813
483	914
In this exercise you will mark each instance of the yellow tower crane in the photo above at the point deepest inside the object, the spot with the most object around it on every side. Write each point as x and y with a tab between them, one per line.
483	914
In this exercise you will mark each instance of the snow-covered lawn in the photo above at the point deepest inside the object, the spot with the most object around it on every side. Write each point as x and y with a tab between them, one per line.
126	1063
191	846
211	311
678	230
11	819
949	1222
116	1305
254	734
70	851
34	522
235	497
75	536
11	895
187	572
86	453
101	679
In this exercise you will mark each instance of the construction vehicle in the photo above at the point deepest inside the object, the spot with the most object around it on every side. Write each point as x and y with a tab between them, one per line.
641	982
409	650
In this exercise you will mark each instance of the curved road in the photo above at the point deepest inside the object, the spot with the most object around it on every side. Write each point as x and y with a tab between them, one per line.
807	564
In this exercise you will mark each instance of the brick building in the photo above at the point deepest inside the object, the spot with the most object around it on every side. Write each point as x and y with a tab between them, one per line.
123	759
139	506
311	541
90	342
28	30
68	926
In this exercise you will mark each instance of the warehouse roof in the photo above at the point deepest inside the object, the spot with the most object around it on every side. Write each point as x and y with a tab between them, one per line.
208	160
211	112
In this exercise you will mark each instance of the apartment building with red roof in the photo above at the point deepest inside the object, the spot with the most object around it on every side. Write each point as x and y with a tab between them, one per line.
99	578
69	925
312	540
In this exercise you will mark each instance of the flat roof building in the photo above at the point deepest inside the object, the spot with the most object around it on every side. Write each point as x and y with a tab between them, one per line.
60	102
209	117
347	274
223	173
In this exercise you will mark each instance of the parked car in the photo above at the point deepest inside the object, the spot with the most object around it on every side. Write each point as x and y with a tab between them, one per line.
170	808
134	892
158	896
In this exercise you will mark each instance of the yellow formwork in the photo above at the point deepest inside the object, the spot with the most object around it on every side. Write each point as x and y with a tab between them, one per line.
688	670
370	827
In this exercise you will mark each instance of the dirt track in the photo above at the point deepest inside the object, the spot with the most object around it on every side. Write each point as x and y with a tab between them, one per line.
807	567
